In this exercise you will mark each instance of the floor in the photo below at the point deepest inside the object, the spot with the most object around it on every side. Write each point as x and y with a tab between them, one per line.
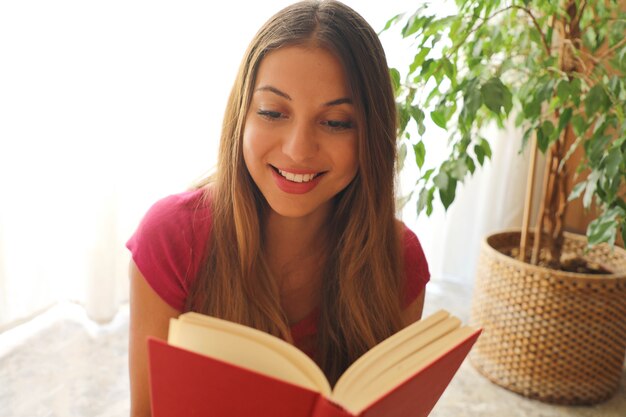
61	364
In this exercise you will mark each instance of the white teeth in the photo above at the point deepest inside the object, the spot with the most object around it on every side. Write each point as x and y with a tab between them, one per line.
296	177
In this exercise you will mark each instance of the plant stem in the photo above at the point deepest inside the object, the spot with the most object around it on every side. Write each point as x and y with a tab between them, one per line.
609	51
534	259
528	201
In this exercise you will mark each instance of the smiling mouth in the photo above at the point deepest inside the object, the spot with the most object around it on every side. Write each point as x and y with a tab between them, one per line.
297	178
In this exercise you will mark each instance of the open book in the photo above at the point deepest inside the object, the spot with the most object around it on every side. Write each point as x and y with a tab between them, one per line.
213	367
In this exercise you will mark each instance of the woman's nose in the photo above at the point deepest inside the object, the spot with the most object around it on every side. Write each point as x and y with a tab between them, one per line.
300	143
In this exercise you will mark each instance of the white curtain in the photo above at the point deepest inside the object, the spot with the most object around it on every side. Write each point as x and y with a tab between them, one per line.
104	108
107	106
491	200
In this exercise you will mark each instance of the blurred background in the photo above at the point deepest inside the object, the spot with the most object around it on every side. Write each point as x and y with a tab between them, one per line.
106	107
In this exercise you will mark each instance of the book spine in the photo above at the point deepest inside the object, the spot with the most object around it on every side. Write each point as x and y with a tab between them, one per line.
326	408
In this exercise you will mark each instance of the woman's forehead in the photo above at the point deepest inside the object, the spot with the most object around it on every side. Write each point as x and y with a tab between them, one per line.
303	69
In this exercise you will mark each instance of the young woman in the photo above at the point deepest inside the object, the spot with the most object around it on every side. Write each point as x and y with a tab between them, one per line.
296	233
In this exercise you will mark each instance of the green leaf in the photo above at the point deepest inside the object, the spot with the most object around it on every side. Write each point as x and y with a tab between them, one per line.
414	23
429	203
472	100
395	79
439	117
545	135
579	125
617	32
613	161
590	38
422	201
448	69
469	162
548	128
592	184
562	90
404	116
418	59
545	90
564	118
604	228
532	109
441	180
392	21
426	68
535	36
418	115
600	231
595	147
401	202
615	86
577	190
459	169
420	153
621	63
477	50
496	95
480	154
401	156
486	147
595	100
427	174
574	90
448	194
526	137
542	140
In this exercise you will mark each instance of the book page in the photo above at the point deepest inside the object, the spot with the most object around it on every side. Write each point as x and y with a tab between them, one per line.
377	355
399	354
247	347
397	374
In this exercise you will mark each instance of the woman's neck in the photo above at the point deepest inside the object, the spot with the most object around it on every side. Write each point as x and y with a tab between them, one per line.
295	250
288	237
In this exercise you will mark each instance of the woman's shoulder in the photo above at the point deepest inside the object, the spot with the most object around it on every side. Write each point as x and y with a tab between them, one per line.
406	235
170	241
183	218
416	269
410	243
181	205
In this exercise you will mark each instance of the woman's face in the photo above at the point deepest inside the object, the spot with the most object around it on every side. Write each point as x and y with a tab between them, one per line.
300	135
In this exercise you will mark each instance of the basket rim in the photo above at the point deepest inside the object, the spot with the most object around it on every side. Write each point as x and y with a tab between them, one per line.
619	277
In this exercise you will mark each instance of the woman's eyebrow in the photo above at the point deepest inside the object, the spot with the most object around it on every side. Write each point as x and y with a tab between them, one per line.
344	100
272	89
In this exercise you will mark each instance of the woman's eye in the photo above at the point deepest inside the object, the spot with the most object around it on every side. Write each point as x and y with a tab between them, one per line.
270	115
338	124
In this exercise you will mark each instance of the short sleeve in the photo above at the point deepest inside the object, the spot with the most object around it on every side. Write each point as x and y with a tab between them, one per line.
415	267
167	246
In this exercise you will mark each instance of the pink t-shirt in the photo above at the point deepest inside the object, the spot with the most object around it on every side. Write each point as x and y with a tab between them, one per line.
170	242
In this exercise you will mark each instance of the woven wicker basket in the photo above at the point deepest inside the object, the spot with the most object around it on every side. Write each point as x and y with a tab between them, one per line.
549	335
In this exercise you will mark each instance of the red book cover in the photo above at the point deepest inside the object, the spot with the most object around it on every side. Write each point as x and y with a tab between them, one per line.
187	384
184	383
417	396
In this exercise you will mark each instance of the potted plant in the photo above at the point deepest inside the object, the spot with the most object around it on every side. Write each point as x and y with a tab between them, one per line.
552	304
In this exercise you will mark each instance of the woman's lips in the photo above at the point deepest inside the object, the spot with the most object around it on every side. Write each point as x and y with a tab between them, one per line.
295	181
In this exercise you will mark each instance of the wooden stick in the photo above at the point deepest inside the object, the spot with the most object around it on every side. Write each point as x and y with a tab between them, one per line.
547	191
528	200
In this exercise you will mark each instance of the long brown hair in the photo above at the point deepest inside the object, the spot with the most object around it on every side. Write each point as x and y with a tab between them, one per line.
363	274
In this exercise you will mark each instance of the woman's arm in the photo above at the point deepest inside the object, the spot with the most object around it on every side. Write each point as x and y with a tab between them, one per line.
149	316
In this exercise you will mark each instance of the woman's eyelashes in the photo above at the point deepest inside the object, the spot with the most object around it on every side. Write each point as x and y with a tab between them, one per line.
334	125
338	124
270	114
